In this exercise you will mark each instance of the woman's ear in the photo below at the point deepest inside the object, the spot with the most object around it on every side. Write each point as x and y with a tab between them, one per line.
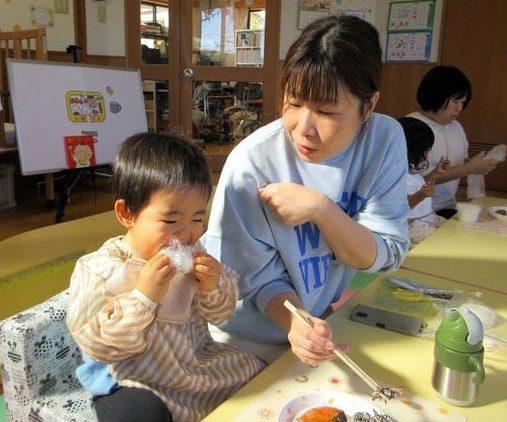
122	213
370	105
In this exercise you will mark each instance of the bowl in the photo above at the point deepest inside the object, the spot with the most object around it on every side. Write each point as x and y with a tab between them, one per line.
500	213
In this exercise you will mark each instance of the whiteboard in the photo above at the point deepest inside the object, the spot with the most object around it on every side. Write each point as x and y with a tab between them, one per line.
52	100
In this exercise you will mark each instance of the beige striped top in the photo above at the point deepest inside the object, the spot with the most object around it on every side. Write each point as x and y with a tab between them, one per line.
178	361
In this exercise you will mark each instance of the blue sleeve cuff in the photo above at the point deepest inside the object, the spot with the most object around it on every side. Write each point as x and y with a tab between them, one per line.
268	292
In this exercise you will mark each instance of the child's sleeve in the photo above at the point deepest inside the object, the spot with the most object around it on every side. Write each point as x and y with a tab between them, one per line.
219	304
107	328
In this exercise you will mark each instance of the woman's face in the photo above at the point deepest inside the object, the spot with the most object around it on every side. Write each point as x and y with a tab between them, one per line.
450	112
320	131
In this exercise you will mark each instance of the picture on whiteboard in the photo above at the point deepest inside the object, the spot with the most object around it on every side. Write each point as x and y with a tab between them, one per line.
79	151
85	106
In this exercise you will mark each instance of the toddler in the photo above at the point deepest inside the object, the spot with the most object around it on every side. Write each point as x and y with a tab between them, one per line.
422	219
140	305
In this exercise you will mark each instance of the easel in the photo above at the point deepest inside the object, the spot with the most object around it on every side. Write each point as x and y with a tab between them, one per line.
71	177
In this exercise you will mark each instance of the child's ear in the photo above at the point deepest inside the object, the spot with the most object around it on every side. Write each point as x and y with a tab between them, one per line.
122	213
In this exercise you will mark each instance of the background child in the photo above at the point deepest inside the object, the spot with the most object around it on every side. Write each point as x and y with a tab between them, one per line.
422	220
120	310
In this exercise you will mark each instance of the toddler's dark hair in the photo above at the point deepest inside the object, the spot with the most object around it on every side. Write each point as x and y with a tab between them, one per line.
150	162
420	139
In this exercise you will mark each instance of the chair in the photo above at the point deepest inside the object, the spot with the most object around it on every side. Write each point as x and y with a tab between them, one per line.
23	44
39	357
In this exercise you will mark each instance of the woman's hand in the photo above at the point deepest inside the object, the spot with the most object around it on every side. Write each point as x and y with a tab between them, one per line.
311	345
292	204
480	165
155	276
207	270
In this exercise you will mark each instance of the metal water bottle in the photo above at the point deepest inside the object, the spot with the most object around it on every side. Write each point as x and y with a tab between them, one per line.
458	369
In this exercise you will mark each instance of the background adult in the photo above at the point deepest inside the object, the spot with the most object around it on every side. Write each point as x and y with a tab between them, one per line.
443	94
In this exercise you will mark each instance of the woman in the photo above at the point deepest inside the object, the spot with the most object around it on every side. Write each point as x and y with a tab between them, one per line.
443	94
307	200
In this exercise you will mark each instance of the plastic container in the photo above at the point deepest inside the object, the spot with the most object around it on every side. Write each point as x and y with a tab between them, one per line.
468	213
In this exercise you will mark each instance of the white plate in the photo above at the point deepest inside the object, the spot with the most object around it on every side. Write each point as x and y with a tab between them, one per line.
493	212
296	407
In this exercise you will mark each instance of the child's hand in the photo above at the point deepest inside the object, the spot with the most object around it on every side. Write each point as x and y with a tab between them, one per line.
441	168
427	189
443	165
207	270
155	276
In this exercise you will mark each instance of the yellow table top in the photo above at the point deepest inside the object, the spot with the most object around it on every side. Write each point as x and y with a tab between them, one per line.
37	264
462	254
391	358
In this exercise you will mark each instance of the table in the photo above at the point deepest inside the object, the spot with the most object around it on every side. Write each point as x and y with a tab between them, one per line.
462	254
391	358
37	264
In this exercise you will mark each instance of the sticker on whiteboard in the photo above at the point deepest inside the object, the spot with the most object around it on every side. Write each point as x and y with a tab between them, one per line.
79	151
115	107
85	106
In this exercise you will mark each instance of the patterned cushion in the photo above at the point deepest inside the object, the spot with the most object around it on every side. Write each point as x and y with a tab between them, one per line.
39	358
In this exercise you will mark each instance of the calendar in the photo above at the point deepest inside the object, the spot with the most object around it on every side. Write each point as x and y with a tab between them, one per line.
311	10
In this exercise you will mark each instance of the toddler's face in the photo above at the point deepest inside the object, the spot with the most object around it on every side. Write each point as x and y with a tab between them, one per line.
169	215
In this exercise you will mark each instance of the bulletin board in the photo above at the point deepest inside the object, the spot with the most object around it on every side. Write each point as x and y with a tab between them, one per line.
55	103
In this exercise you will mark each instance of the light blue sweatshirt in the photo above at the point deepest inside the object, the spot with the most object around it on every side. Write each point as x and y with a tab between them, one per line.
366	179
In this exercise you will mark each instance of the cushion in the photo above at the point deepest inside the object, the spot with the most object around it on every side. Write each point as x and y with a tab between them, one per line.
39	358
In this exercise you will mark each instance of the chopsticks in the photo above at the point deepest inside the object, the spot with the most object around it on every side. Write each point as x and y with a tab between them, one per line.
378	391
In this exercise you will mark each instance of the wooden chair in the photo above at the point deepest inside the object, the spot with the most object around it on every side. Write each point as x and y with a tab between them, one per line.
24	44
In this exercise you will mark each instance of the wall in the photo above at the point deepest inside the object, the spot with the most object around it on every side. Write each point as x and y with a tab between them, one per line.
60	29
105	27
105	23
375	11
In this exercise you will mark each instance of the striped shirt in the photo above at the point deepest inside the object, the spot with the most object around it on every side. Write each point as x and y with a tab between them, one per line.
178	361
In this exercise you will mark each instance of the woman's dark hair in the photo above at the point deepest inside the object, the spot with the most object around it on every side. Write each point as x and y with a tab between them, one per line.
442	84
150	162
333	53
420	139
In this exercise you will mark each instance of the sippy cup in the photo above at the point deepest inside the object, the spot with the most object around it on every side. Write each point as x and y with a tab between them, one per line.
458	368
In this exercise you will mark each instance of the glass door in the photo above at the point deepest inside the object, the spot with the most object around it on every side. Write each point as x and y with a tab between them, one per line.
205	64
227	36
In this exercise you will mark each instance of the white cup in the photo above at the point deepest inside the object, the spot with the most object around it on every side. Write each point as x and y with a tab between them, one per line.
468	213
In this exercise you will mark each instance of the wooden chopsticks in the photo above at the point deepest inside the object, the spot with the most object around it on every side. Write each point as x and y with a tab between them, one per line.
378	391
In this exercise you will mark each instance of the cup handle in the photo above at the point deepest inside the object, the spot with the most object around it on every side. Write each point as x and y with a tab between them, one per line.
479	369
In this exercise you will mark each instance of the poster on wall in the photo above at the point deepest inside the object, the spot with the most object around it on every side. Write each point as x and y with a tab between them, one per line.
411	15
410	30
408	46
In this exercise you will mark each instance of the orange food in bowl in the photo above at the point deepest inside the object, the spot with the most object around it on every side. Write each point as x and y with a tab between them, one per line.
323	414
